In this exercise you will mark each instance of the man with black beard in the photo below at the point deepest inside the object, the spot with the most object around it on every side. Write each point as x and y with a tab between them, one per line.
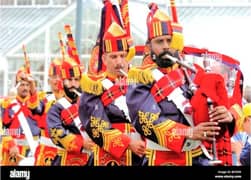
159	103
63	121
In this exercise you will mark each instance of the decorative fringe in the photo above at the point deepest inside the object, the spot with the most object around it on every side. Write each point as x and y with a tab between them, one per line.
177	42
143	76
91	86
131	53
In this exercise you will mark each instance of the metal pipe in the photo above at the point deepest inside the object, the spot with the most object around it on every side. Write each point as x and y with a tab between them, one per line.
183	64
123	72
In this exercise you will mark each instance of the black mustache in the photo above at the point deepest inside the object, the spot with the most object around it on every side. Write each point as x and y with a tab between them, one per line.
162	55
73	88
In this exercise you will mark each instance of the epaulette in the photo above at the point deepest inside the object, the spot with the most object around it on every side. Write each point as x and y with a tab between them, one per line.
41	95
6	102
92	84
142	74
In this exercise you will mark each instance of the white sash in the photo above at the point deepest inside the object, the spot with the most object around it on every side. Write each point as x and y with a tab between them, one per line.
120	101
26	161
66	104
25	126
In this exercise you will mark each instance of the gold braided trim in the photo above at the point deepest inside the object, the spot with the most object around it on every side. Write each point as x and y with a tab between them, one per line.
150	155
63	155
96	155
189	158
128	157
112	137
161	132
196	152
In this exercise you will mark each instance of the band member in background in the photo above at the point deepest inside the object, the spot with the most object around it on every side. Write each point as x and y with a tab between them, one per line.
61	119
18	114
54	80
47	150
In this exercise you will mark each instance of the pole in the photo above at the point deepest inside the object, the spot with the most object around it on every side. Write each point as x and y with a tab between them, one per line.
79	17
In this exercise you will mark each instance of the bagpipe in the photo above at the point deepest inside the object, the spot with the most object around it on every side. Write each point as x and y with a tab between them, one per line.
216	78
221	83
222	64
208	86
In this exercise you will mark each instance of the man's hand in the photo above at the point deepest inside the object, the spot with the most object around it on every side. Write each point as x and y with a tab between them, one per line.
88	144
13	151
205	131
220	114
138	147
